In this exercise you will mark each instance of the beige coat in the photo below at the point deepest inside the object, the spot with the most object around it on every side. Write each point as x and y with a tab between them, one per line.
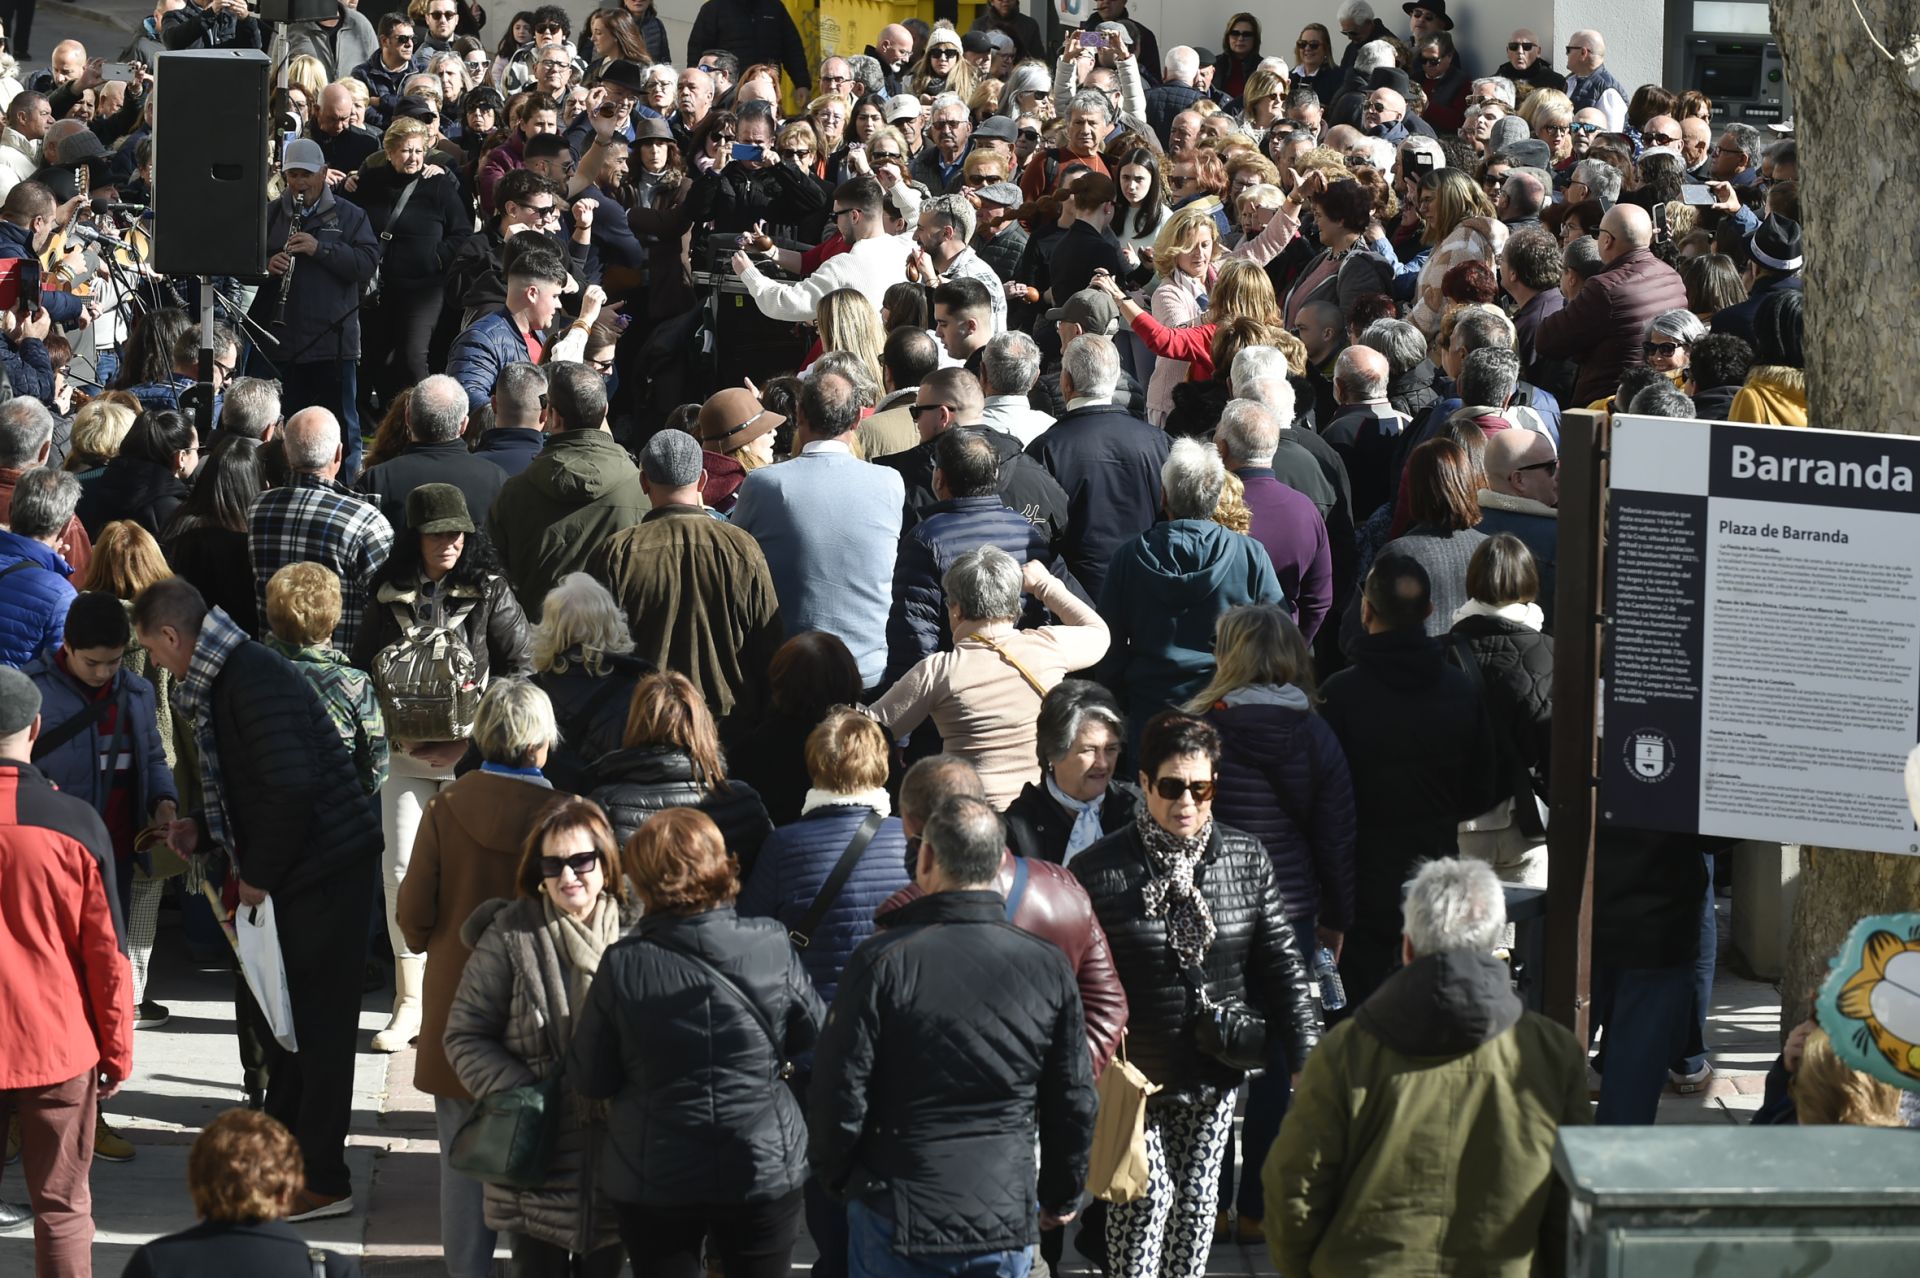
985	708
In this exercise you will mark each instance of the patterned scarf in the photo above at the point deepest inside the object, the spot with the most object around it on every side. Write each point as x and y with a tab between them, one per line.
1172	894
193	697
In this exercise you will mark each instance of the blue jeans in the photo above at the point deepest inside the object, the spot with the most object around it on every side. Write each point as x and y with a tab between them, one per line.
1693	1056
1267	1099
1647	1012
465	1240
333	385
870	1254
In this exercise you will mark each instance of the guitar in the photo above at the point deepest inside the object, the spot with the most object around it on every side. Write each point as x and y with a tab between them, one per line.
61	277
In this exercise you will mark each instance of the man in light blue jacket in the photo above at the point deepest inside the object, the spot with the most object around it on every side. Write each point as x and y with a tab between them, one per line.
829	525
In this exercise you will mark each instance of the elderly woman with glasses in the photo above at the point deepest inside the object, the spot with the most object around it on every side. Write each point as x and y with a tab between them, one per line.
533	959
984	693
1199	935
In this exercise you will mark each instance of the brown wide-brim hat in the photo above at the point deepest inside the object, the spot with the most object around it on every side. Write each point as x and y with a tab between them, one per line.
732	418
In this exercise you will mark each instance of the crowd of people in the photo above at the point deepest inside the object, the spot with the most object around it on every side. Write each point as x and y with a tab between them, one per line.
1104	611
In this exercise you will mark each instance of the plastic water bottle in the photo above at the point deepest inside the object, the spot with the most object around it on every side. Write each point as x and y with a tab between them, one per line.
1333	991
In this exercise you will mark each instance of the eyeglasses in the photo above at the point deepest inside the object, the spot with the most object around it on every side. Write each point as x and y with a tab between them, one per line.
884	155
840	213
940	125
834	79
1551	467
552	867
1554	130
1724	149
1522	46
1665	350
1171	788
1179	181
601	366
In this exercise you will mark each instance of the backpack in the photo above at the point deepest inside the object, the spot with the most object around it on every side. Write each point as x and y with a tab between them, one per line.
427	680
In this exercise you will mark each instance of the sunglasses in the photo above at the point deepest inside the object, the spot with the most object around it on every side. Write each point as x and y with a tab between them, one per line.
1029	135
1309	45
443	13
1521	46
1658	139
1171	788
402	39
917	409
884	155
1665	350
1587	127
1551	467
548	28
796	152
552	867
1431	62
944	51
1240	35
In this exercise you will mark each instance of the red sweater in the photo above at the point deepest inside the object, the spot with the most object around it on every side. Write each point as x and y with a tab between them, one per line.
1194	344
66	1005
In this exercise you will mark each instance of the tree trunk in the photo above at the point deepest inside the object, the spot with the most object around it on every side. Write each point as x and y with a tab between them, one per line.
1862	344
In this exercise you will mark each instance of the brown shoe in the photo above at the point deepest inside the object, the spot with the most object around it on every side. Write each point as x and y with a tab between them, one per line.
1250	1231
312	1206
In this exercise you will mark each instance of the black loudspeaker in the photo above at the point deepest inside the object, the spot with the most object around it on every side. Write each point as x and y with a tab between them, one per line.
210	162
295	10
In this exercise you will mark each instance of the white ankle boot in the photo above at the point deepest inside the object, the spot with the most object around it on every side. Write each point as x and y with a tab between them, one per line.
404	1026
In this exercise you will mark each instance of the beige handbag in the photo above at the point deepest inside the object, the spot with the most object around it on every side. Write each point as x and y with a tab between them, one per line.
1117	1167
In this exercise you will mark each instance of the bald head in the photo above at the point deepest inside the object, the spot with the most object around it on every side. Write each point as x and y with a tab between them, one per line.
1626	227
1661	130
1585	52
1515	465
311	439
1592	41
59	132
1360	375
68	61
335	110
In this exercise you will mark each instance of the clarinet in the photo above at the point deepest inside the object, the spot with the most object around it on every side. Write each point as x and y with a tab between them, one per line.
286	281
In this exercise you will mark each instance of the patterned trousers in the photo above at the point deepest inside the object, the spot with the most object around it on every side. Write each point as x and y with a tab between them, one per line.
1168	1231
143	919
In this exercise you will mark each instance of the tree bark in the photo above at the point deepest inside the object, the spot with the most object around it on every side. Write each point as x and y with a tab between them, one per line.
1862	345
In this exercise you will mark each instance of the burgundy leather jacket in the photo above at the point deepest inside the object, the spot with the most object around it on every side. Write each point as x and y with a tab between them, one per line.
1057	908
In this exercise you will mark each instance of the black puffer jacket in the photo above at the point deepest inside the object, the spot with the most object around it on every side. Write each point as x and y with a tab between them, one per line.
1516	666
1254	957
131	488
699	1112
634	783
1038	827
299	818
951	1032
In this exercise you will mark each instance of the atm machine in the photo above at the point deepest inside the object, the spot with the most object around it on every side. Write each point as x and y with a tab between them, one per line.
1726	50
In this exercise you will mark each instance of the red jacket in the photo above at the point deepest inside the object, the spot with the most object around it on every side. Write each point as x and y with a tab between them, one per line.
66	1005
1056	908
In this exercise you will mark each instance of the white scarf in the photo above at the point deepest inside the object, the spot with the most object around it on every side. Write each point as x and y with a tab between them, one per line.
1520	614
1087	829
875	799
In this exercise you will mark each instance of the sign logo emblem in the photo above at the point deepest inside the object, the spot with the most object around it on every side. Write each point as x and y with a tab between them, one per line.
1650	755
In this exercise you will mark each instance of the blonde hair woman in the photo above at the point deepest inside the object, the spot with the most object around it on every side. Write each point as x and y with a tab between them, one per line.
308	74
829	113
848	322
1462	227
1183	257
99	428
1241	291
1265	99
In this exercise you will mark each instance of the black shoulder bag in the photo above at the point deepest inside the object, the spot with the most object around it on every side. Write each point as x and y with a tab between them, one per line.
802	935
